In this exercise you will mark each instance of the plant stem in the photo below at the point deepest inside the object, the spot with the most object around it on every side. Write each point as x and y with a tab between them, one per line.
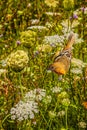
66	108
21	85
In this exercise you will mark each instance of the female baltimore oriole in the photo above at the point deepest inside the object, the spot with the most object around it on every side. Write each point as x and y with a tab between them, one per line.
62	61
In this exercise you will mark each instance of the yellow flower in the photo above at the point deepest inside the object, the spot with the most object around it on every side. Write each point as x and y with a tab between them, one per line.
68	4
51	3
44	48
8	17
52	114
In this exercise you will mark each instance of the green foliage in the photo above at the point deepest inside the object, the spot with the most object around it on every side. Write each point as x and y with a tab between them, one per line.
31	97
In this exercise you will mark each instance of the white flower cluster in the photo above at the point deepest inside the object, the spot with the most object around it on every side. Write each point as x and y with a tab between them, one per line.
39	28
55	39
82	124
78	40
61	113
56	89
3	71
76	71
52	14
27	108
36	94
34	21
78	66
24	110
3	62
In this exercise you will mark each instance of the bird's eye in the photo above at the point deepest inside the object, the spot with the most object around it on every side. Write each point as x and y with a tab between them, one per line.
51	68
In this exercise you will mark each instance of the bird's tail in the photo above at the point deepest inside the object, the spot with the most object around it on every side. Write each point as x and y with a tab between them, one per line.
70	42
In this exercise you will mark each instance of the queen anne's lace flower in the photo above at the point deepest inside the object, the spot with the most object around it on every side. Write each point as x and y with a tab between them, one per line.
78	63
55	39
82	124
61	113
76	70
24	110
56	89
29	107
37	28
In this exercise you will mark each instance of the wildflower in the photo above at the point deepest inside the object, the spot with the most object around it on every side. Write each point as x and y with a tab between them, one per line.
6	46
34	21
82	9
56	89
4	62
78	40
65	25
75	16
61	113
48	71
51	3
18	42
82	124
47	100
36	53
28	38
48	25
31	95
17	60
52	14
40	93
55	39
36	94
39	28
34	122
63	95
24	110
1	35
68	4
2	71
29	106
29	5
53	44
65	102
78	63
76	70
44	48
52	114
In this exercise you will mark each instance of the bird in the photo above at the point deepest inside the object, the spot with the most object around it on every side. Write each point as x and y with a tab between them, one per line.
62	61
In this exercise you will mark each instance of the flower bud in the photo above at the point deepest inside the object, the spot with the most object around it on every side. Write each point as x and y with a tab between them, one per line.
17	60
52	114
66	102
28	38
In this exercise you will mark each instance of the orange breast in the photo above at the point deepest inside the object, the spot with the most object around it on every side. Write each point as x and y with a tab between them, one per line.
59	68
